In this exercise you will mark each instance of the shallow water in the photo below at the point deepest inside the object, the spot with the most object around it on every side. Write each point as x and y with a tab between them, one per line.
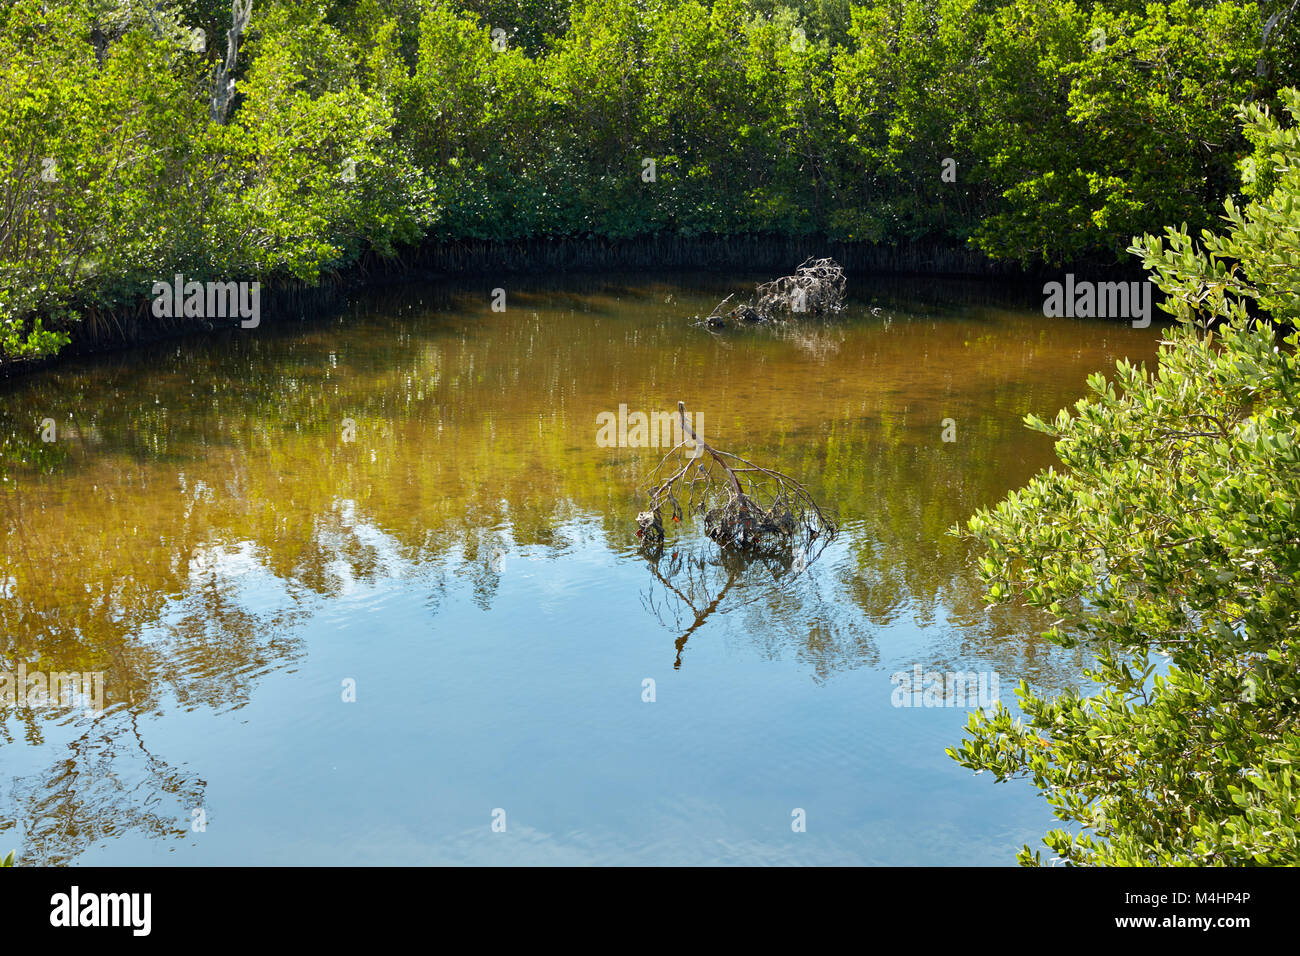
200	531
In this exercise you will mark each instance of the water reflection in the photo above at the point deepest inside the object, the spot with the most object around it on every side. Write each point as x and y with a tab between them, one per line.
200	509
100	785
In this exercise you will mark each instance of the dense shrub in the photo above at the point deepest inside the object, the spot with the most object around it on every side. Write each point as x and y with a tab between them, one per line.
1169	544
361	126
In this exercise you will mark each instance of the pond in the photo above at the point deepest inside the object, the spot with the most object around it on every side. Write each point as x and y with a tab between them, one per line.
364	587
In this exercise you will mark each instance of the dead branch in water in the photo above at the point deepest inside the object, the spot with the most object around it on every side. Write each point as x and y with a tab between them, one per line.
741	505
817	286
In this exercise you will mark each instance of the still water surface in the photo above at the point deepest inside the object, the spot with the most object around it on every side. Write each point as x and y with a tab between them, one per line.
200	531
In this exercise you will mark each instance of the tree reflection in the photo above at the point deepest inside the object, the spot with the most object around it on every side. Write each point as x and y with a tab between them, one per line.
696	580
105	783
181	470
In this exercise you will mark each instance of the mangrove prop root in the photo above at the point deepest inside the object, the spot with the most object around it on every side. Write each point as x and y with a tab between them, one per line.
742	506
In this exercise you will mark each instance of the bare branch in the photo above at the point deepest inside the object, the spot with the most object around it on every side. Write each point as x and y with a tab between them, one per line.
741	505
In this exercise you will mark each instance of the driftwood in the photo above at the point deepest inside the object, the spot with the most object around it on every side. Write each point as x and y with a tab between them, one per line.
766	524
742	506
817	287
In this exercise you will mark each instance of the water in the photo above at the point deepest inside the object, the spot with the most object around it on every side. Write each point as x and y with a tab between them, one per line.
200	532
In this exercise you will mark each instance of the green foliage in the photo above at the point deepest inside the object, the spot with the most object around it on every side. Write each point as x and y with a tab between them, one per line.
905	89
362	126
1100	124
1167	544
529	25
1256	265
8	860
310	156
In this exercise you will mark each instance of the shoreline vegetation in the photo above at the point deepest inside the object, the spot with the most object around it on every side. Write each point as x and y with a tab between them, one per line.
353	139
286	298
303	145
1166	544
